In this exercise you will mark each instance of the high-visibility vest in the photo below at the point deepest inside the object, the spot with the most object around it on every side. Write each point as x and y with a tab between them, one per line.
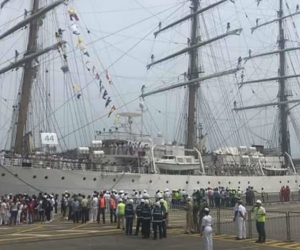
102	202
259	217
166	205
121	209
112	204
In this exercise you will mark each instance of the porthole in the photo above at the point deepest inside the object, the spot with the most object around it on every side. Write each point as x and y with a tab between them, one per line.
288	181
248	182
94	179
63	178
150	181
46	177
132	180
279	181
296	181
16	175
84	178
198	182
219	182
239	182
229	183
114	180
186	182
34	177
167	182
208	182
3	174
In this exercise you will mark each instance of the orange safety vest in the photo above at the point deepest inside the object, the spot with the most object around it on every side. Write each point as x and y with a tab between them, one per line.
112	204
102	202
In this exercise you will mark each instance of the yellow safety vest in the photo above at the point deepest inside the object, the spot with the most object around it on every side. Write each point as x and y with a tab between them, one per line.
259	217
166	205
121	209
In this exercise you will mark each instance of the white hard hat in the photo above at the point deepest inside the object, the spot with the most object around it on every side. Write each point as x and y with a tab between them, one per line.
130	201
147	202
157	204
258	201
166	189
146	196
121	191
142	200
145	191
188	198
161	201
120	200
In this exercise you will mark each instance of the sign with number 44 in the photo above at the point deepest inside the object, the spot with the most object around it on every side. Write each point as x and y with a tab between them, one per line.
49	138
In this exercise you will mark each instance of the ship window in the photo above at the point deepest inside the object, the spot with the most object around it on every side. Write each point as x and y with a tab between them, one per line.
186	182
180	160
114	180
229	183
288	181
150	181
296	181
248	182
209	182
34	177
132	180
95	179
16	175
167	182
63	178
198	182
188	160
84	178
239	182
3	174
46	177
279	181
219	182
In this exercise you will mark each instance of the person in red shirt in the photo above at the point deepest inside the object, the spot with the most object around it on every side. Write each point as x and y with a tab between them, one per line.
113	209
101	210
30	209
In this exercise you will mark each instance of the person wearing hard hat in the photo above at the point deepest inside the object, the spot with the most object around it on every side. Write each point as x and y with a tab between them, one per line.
164	207
157	217
120	213
206	230
260	217
129	213
139	221
240	220
146	214
189	215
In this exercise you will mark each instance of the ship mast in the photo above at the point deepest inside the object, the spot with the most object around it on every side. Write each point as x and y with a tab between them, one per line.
193	71
283	102
29	66
282	95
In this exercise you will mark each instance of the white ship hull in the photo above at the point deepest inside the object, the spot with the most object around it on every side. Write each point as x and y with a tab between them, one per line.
32	180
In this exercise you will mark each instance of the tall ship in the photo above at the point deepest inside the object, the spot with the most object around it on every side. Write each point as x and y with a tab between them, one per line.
221	81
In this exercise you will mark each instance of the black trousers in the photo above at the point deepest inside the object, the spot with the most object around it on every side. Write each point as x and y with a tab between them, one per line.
113	216
101	211
164	228
128	228
146	228
84	215
260	227
76	217
157	225
139	222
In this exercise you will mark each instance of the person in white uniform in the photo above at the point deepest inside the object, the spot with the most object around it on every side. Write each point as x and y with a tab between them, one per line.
207	230
240	220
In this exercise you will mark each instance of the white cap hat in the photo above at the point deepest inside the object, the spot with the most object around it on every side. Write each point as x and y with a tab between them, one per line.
206	209
258	201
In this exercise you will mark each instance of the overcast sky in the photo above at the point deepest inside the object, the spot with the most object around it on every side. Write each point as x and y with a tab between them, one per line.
121	39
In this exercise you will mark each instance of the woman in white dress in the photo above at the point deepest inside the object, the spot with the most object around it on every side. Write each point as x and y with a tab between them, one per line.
207	230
